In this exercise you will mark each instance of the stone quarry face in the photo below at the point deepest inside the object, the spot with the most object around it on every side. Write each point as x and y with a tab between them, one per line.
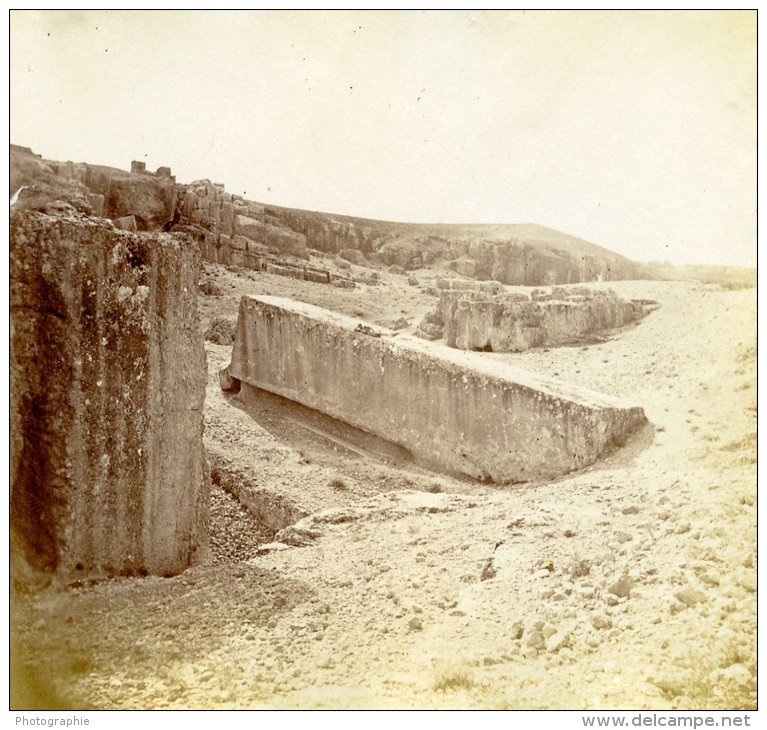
107	367
108	470
454	411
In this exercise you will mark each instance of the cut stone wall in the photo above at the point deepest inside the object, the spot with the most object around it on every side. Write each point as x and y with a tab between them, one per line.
240	251
455	411
108	470
228	217
151	200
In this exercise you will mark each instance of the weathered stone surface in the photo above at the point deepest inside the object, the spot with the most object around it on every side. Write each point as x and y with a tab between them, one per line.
152	200
622	587
522	262
689	595
353	255
36	185
464	266
111	192
108	470
324	232
284	239
291	271
463	414
482	316
97	204
514	254
341	282
128	223
321	276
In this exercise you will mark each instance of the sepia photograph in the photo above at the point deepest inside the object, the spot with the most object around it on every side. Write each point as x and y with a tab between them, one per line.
383	360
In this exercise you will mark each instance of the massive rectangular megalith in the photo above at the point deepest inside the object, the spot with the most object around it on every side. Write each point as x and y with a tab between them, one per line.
108	470
457	411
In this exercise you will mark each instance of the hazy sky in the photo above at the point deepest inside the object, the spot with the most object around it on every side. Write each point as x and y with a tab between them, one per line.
635	130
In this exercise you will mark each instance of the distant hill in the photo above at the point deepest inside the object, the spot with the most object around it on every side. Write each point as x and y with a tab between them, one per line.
728	277
531	234
515	253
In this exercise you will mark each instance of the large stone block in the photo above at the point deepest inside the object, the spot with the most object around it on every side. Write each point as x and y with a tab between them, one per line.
152	200
284	239
353	255
107	373
477	316
456	411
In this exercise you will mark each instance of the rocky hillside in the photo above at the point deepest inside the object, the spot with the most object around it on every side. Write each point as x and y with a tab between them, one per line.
234	228
525	254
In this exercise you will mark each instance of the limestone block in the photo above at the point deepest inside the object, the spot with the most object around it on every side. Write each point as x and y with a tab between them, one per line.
321	276
241	243
342	282
126	223
227	218
97	204
464	266
483	316
214	213
107	372
285	240
354	256
455	411
152	200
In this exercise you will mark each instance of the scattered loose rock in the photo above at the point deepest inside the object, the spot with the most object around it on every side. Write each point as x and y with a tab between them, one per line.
536	640
488	571
601	621
690	596
415	624
622	587
556	642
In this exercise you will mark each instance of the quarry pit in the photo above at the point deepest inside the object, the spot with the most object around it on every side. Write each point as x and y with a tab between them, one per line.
351	539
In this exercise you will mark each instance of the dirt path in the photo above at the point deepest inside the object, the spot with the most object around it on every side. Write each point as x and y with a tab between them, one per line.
628	585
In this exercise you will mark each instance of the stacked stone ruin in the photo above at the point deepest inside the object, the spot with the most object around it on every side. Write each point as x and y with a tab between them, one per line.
485	316
232	231
243	233
239	232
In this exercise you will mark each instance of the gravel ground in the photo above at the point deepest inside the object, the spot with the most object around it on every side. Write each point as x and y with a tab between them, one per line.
234	534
